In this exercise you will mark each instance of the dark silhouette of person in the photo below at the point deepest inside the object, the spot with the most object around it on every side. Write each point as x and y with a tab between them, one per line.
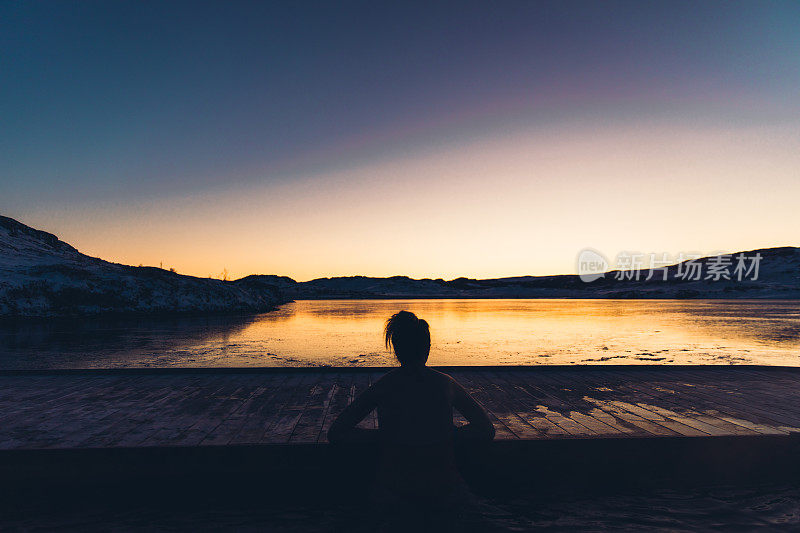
415	421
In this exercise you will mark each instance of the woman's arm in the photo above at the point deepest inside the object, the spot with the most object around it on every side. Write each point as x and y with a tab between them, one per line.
344	427
479	428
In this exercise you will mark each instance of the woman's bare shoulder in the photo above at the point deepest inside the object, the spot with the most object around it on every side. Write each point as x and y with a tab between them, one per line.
388	379
398	376
439	374
447	379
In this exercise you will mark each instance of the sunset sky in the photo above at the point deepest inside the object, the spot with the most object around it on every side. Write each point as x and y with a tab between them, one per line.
480	139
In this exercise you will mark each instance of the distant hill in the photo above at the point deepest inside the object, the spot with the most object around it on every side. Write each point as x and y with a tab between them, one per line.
41	276
778	277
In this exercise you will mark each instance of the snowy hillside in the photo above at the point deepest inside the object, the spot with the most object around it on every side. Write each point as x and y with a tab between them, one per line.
43	276
778	276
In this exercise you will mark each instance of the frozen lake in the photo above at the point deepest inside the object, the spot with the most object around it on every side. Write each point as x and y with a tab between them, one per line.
465	332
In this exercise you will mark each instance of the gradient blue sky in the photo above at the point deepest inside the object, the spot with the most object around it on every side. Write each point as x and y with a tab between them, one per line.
458	138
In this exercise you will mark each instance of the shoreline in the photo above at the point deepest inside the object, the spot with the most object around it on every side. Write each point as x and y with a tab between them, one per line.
132	315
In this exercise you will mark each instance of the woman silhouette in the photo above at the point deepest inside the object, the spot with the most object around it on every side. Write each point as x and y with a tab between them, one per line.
415	419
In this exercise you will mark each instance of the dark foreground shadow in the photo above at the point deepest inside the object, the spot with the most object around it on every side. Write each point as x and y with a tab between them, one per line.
330	485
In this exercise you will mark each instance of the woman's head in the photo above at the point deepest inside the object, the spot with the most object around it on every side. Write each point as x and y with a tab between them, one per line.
409	337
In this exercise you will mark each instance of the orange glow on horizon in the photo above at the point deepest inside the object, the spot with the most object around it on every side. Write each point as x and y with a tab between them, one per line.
520	204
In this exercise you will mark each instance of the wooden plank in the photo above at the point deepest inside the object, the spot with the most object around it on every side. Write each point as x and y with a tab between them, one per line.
684	405
771	401
360	384
256	404
599	388
647	402
507	424
106	414
95	418
649	414
505	408
221	404
310	423
283	423
502	431
651	428
264	409
529	410
148	420
340	397
729	408
556	408
373	378
220	409
40	406
170	425
583	407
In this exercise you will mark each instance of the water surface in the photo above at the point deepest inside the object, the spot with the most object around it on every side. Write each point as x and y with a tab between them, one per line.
465	332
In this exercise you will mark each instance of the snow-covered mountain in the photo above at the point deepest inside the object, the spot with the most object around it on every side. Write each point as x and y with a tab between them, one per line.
778	277
42	276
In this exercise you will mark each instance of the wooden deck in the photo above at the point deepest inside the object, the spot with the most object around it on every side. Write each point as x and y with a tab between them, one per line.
208	408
